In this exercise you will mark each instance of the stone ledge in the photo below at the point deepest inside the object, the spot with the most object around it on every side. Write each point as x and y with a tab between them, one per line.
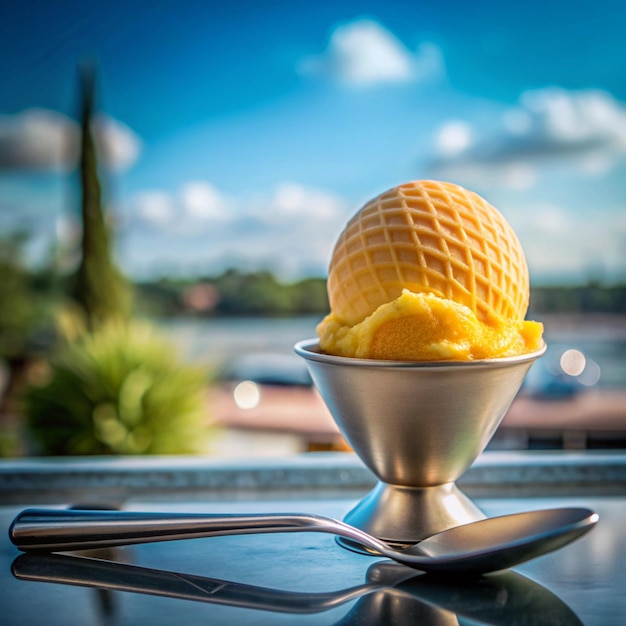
117	479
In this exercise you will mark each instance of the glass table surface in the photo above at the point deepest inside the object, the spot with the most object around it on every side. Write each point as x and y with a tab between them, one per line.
307	578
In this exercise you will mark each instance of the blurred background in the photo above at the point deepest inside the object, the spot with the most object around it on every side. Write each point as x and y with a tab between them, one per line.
173	176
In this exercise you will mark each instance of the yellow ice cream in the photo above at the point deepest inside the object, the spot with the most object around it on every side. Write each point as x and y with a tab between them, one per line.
428	271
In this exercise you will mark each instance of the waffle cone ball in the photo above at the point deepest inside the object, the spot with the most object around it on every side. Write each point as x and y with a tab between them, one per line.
428	271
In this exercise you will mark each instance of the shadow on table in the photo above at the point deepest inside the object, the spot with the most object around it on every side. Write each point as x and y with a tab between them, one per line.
392	594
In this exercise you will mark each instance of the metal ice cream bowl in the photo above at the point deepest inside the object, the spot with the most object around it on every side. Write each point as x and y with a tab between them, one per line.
418	426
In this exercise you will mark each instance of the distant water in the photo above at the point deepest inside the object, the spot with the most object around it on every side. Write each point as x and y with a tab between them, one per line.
213	341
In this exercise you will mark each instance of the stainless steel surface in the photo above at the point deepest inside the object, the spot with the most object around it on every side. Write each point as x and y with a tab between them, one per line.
402	513
485	546
417	426
519	599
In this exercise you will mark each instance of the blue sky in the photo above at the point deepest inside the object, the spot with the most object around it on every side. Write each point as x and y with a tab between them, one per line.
246	133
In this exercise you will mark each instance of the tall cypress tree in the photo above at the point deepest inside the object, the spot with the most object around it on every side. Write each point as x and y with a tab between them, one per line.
99	288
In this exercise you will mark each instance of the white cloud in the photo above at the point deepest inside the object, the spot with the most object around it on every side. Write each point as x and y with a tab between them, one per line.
364	53
291	229
453	138
45	140
37	139
195	207
577	122
548	126
201	201
299	227
559	242
118	145
293	201
155	208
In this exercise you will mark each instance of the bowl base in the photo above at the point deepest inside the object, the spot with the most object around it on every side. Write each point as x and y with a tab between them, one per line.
402	516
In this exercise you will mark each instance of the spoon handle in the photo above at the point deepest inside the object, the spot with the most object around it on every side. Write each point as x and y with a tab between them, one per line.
50	530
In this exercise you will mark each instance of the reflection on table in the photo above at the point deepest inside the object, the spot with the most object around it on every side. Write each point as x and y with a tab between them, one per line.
392	594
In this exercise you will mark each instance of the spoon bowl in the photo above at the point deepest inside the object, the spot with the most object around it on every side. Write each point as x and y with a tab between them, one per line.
479	547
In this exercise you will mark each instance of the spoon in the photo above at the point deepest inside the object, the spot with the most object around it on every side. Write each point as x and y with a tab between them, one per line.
479	547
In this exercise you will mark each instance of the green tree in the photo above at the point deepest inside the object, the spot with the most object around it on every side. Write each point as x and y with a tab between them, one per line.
100	290
309	296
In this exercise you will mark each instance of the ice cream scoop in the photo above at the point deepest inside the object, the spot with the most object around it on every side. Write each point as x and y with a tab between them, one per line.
428	271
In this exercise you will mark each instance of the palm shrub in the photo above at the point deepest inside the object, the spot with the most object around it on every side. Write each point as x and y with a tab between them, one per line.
119	389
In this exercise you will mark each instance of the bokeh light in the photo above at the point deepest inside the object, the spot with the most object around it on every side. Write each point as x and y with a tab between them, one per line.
573	362
247	395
